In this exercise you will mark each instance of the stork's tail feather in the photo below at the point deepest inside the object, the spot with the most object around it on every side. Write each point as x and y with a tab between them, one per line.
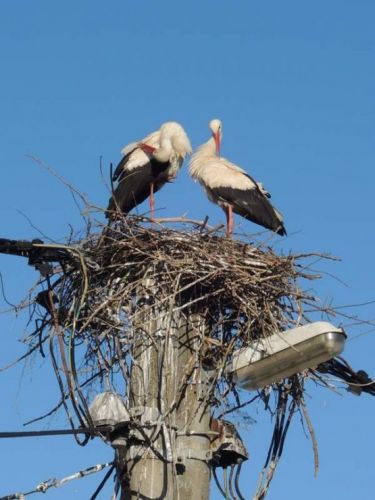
281	231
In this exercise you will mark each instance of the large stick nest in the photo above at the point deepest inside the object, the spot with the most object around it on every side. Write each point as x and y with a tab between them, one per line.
243	290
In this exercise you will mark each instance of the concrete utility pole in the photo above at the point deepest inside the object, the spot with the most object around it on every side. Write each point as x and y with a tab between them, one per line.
168	453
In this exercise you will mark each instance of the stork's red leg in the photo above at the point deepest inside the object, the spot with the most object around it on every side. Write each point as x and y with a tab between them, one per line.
229	220
152	201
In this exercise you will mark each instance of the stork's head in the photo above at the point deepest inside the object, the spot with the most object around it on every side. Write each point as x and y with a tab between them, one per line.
173	136
216	129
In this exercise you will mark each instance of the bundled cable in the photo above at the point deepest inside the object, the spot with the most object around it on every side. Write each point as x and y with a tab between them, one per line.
57	483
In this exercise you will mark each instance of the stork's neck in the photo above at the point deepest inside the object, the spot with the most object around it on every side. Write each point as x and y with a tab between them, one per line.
207	149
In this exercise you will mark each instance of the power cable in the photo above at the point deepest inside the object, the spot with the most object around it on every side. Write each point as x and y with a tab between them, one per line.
236	480
216	481
102	483
94	431
232	494
225	474
57	483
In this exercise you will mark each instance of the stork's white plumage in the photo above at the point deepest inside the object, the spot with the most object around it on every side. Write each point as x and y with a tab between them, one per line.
146	166
231	187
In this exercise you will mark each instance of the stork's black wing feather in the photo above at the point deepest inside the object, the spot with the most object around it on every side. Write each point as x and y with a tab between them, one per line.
134	186
119	171
253	205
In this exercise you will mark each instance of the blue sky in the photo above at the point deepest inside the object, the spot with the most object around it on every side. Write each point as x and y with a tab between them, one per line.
294	85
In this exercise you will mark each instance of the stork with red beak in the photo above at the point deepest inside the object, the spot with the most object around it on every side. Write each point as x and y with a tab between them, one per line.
146	166
231	187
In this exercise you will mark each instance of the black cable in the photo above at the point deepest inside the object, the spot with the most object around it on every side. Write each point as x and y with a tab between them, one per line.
217	482
268	458
57	483
225	483
280	428
39	331
111	177
59	380
232	467
236	480
339	367
59	432
85	410
3	293
281	421
66	396
14	496
117	487
82	419
102	483
238	407
286	428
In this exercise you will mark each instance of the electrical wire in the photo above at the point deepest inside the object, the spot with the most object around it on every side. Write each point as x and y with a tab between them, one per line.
358	381
116	488
85	410
93	431
226	483
236	480
102	483
232	494
216	481
61	387
57	483
66	396
59	333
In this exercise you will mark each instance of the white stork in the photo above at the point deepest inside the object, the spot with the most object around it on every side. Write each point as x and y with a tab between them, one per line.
146	166
231	187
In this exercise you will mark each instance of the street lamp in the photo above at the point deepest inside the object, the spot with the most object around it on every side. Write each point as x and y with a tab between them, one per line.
285	353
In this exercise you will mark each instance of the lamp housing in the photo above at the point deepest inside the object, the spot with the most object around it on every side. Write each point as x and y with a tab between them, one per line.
283	354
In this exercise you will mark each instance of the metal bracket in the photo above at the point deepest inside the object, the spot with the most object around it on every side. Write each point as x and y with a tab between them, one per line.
148	418
183	454
193	454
